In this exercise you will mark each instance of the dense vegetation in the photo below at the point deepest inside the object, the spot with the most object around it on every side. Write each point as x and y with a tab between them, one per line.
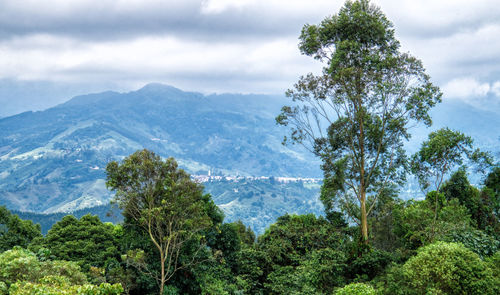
173	239
411	251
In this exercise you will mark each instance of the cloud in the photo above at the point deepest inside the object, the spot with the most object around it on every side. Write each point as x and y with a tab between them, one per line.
467	88
195	19
426	19
495	88
483	95
218	6
231	45
268	66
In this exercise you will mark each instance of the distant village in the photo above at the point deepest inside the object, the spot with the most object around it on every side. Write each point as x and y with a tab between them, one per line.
201	178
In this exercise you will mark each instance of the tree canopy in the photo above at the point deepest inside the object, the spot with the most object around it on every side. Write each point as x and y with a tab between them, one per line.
444	150
161	199
16	232
355	115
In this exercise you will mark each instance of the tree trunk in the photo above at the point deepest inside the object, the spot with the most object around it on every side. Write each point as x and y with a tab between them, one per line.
363	184
162	278
364	217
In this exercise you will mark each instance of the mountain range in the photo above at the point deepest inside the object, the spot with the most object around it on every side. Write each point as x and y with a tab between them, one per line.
54	160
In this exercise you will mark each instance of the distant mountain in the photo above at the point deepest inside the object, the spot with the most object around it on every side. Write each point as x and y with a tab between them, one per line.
53	160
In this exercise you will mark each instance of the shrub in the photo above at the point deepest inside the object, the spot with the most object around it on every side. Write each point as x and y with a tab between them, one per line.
356	289
449	268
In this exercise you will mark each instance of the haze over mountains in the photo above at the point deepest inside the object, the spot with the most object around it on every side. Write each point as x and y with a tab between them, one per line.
54	160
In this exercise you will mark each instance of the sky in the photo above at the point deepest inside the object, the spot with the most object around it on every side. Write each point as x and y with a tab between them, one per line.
53	49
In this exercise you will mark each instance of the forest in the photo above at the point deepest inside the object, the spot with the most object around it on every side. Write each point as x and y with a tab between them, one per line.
355	116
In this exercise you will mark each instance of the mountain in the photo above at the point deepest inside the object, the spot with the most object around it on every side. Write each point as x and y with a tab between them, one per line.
54	160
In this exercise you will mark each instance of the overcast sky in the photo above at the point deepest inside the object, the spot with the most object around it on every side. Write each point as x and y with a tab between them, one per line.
231	45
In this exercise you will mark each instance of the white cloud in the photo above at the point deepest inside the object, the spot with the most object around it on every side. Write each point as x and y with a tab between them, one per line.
269	66
496	88
231	45
465	88
218	6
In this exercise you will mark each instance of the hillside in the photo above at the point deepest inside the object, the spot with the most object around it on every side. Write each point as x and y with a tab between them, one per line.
53	160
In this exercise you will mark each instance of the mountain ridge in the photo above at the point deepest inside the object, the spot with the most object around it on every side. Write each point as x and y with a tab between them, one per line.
53	160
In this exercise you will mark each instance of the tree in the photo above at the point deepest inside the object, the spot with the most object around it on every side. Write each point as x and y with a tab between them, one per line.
449	268
87	241
356	114
162	200
481	204
444	150
16	232
416	223
294	246
22	272
492	183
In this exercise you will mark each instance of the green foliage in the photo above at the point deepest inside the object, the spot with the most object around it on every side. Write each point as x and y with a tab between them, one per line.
322	270
477	241
229	242
22	266
417	224
366	100
107	213
169	207
492	182
382	222
494	263
252	266
480	204
57	285
319	273
87	241
304	255
15	231
246	234
444	150
19	264
214	277
282	280
287	241
449	268
368	265
356	289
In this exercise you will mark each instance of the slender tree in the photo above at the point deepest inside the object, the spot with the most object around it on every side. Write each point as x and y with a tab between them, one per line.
443	151
356	114
164	201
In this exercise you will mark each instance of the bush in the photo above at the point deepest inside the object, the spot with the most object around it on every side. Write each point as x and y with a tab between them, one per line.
22	273
369	264
356	289
57	285
449	268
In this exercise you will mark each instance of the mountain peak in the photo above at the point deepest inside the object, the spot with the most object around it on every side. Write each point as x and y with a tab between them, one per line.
164	89
158	87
